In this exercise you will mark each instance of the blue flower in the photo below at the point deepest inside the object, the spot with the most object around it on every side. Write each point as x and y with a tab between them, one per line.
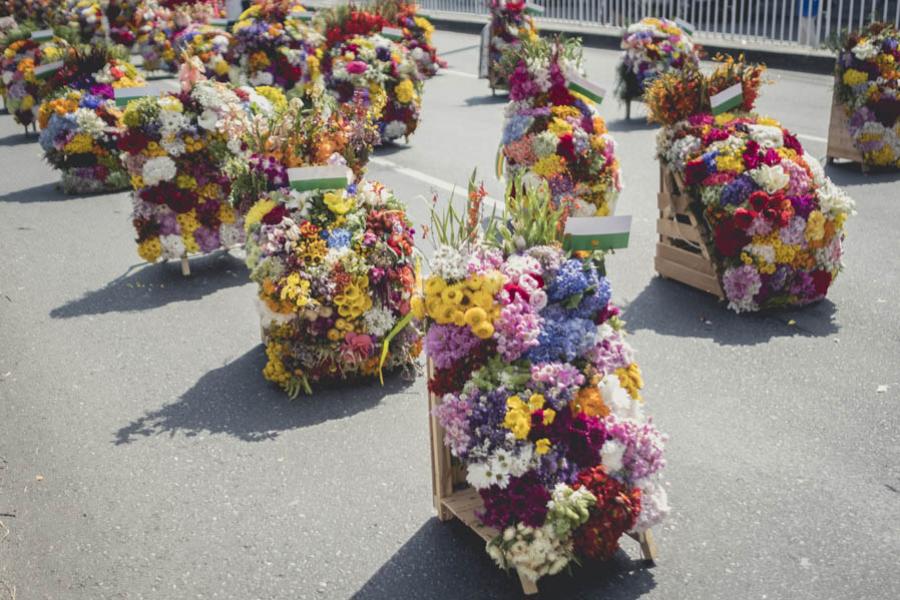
562	337
570	279
338	238
516	127
737	191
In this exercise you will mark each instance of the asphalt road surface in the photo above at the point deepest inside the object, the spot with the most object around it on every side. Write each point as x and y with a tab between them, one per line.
142	454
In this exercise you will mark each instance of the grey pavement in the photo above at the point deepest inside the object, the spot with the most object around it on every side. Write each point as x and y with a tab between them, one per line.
142	454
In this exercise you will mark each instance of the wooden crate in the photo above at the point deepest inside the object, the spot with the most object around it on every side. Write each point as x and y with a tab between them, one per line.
840	142
454	498
682	252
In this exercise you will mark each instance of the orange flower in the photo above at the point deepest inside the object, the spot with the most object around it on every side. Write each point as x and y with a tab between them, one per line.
590	402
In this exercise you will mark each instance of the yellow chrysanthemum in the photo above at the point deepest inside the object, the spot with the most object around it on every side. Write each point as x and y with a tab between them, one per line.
150	249
257	212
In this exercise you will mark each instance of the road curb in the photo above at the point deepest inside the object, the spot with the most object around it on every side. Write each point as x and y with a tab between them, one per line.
821	62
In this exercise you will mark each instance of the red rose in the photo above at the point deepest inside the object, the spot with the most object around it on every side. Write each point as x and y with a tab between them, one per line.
743	217
821	281
274	216
759	200
730	239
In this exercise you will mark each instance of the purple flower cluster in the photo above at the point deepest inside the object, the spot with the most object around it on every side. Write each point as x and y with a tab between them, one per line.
453	415
517	329
447	344
644	445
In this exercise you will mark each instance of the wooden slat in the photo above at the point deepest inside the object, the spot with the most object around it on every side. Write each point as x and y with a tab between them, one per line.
647	543
691	260
463	505
679	203
680	231
840	142
441	470
696	279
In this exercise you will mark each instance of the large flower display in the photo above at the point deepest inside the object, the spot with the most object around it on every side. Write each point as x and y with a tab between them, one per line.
125	18
652	46
417	31
80	123
162	24
868	86
509	26
175	148
275	45
382	69
776	222
22	83
555	134
334	262
539	391
211	46
84	18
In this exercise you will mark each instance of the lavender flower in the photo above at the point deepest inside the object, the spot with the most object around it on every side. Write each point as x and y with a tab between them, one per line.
447	344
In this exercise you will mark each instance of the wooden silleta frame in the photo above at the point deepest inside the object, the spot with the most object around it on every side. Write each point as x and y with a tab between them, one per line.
454	498
682	252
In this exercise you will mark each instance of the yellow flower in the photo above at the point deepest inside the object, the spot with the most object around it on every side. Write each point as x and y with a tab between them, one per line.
295	290
150	249
405	91
815	226
518	418
549	166
272	94
559	127
536	402
475	316
730	163
417	306
542	446
257	212
186	182
852	77
338	204
81	143
723	118
483	330
631	380
452	294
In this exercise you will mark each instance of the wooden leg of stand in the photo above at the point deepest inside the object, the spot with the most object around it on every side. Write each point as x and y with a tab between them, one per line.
529	587
185	266
648	546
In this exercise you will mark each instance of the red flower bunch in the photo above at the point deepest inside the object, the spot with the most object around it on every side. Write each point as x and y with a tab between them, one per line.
616	512
524	500
356	23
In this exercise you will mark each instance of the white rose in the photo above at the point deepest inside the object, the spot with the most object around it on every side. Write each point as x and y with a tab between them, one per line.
770	178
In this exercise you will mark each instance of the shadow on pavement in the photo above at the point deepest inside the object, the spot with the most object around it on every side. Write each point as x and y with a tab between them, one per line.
671	308
236	400
635	123
45	192
393	147
447	560
19	139
157	285
849	174
500	98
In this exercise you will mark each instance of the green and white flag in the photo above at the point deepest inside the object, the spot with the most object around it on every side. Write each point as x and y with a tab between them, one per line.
685	26
577	83
534	9
328	177
392	33
154	88
47	70
42	35
219	23
596	233
727	99
303	15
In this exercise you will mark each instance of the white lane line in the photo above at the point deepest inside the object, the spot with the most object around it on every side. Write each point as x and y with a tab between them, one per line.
812	138
458	73
432	181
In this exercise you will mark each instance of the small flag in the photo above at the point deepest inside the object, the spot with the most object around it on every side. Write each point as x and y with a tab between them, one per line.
727	99
534	9
578	84
42	35
500	162
47	70
685	26
328	177
596	233
126	95
303	15
392	33
220	23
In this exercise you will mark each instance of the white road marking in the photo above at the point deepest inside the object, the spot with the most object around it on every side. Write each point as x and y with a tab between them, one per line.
812	138
432	181
458	73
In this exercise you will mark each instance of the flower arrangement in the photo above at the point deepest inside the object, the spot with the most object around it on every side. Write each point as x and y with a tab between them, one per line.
539	391
776	222
868	85
382	70
175	148
125	18
335	274
555	134
22	84
211	46
274	45
417	31
652	46
161	26
85	19
80	123
510	25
